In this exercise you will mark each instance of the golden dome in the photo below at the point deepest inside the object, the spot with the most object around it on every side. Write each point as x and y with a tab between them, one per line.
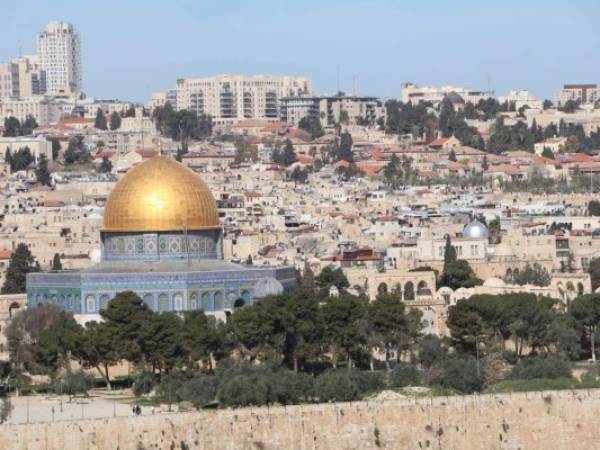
160	195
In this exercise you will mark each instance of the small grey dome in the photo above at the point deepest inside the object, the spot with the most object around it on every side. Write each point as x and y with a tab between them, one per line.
475	230
267	286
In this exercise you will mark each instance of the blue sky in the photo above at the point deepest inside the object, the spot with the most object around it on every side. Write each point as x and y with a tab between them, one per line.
134	47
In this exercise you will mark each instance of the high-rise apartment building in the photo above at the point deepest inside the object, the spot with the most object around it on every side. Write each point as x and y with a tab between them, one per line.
59	53
229	98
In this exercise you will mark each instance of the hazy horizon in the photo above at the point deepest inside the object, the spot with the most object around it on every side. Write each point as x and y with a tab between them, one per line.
131	49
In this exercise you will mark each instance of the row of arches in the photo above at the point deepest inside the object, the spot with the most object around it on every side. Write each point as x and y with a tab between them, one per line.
69	302
209	301
406	292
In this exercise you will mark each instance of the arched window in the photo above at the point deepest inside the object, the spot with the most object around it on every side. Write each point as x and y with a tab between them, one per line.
206	306
422	288
163	302
239	303
90	303
580	288
178	301
218	300
246	297
382	288
570	286
149	301
397	289
194	301
104	299
13	306
409	291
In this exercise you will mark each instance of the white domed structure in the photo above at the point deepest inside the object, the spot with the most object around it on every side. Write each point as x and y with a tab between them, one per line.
494	282
476	230
267	286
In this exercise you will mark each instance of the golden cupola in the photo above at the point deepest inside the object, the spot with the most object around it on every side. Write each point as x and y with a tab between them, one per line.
160	194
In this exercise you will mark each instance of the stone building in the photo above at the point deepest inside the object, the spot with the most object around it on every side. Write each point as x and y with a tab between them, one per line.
161	238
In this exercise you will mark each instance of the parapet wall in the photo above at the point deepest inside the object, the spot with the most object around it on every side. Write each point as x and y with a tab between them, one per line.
541	420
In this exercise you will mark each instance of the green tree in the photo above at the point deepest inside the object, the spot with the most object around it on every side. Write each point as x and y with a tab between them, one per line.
586	312
160	342
288	156
21	159
99	349
56	263
76	151
307	282
41	171
332	277
12	127
390	327
533	274
21	263
547	153
204	338
115	121
57	344
126	317
100	122
282	326
345	333
485	164
105	166
570	106
312	125
392	173
594	208
55	148
594	271
28	125
299	175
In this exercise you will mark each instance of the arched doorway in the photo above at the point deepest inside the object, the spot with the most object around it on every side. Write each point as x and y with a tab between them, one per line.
409	291
239	303
13	306
382	288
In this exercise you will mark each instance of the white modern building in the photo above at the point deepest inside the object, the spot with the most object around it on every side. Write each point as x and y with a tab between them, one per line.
332	110
230	98
414	94
585	94
22	77
522	98
59	53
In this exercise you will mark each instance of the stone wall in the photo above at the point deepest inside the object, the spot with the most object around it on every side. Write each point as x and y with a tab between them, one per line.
542	420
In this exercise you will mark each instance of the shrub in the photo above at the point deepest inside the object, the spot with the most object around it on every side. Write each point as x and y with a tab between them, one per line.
167	389
200	391
459	373
144	383
261	385
287	387
243	387
337	385
367	381
74	383
548	366
404	375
